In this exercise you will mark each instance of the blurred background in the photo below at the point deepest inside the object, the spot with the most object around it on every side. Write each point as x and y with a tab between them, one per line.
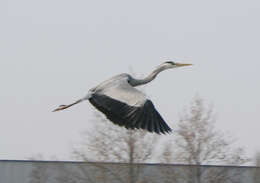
53	51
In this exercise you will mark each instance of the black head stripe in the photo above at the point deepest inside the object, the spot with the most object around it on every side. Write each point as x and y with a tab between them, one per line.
170	62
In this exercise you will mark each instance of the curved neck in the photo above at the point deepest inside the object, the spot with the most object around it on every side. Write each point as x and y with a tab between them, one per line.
149	78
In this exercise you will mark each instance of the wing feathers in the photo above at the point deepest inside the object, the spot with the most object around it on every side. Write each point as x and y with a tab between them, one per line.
144	117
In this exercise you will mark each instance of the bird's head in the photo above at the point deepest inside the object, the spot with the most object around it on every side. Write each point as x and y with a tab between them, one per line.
171	64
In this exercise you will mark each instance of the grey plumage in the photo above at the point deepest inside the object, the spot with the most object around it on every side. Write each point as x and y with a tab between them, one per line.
125	105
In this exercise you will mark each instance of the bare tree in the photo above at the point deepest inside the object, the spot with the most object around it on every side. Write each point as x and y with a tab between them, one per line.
257	170
39	174
41	171
197	142
257	159
110	143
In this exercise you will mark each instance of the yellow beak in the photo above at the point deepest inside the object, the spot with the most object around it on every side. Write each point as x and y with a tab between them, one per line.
181	65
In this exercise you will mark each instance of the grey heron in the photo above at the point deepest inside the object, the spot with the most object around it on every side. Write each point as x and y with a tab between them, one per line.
125	105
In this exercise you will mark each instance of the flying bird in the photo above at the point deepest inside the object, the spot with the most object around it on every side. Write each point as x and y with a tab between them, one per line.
125	105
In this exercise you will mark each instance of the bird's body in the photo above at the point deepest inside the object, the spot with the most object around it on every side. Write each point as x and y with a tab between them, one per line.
125	105
118	88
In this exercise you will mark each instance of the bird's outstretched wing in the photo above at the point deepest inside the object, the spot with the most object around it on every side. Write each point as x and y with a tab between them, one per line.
126	106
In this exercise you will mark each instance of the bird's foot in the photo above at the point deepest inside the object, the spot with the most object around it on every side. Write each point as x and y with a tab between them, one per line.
61	107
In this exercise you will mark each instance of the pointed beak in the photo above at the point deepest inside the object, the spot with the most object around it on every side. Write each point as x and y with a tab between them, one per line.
181	64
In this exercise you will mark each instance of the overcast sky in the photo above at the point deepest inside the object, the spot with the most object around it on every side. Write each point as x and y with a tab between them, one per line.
53	51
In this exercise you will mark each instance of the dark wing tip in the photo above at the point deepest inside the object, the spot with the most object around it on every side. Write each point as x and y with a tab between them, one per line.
131	117
160	126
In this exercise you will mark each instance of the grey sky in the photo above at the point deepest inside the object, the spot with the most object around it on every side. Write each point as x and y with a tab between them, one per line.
53	51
